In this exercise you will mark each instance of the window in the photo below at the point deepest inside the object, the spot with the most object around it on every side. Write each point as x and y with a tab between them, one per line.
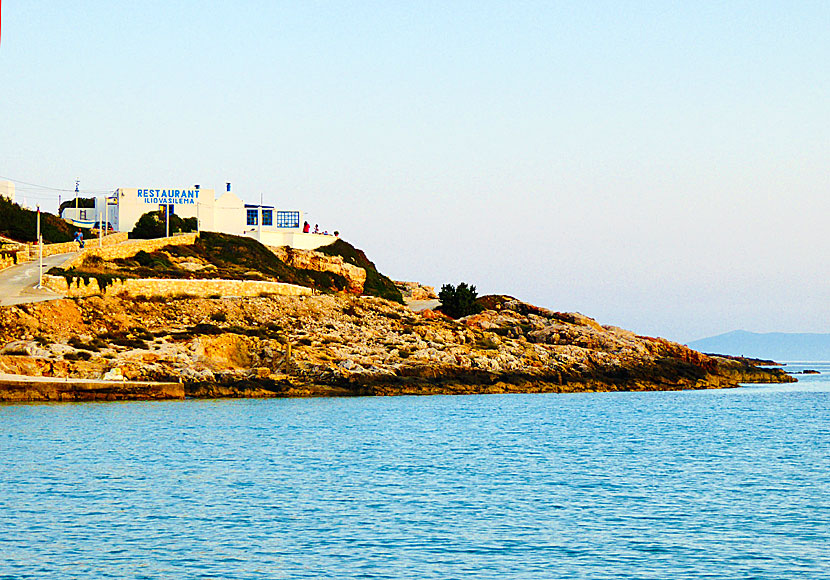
288	219
83	214
252	217
267	217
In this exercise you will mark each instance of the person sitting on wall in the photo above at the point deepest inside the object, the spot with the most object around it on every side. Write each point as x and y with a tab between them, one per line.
336	234
316	229
306	227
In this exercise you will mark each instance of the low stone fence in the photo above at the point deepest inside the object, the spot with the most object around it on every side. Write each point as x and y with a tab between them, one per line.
18	253
156	287
53	249
127	249
9	258
66	247
12	253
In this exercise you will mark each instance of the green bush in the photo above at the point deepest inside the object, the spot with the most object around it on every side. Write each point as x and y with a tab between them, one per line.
459	301
152	225
82	202
19	223
155	260
190	224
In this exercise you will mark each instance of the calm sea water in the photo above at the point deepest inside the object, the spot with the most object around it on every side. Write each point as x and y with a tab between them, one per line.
706	484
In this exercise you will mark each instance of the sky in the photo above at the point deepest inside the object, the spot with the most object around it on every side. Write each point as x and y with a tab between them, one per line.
661	166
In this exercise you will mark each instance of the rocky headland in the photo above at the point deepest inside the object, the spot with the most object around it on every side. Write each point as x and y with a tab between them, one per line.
340	345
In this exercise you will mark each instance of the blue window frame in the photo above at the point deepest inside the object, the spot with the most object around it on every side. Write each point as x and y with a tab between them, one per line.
288	219
267	217
252	217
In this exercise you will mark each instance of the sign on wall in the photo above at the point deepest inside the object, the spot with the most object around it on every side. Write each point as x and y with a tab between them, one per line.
169	196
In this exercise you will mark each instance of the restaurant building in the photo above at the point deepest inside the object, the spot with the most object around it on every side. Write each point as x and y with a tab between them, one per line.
227	214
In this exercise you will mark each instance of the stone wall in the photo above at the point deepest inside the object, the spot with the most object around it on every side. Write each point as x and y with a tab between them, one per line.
9	258
128	249
112	239
12	253
319	262
66	247
169	287
53	249
28	252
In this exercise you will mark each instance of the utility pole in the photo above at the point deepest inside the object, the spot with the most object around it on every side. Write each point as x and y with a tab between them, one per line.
100	224
107	213
166	220
77	189
198	216
40	252
260	217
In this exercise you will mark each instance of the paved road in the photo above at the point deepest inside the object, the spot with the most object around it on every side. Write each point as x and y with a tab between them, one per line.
418	305
17	284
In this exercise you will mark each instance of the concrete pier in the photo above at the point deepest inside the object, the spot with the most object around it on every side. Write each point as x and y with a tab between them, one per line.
22	388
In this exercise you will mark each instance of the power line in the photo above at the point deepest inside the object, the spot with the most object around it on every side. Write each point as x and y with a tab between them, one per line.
58	189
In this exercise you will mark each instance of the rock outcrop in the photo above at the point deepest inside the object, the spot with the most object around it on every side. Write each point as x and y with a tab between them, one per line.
341	345
416	291
319	262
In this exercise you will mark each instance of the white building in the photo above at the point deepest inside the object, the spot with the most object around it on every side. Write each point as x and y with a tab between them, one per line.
7	190
226	213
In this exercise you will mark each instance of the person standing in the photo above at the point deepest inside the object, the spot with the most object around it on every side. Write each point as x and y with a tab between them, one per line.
306	227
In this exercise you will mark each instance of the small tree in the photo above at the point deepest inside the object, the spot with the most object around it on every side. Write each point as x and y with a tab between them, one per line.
149	226
459	301
82	202
152	225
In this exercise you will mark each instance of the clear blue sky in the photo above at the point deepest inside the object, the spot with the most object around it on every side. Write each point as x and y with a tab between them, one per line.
662	166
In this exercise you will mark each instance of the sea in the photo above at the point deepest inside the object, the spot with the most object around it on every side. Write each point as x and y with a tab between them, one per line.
731	483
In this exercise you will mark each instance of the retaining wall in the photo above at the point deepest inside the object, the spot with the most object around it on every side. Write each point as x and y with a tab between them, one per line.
151	287
127	249
9	258
29	252
66	247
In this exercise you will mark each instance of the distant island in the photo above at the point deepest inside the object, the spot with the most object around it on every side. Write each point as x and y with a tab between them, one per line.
780	346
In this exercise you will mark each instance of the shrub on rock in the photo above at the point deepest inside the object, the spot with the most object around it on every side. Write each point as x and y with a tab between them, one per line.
459	301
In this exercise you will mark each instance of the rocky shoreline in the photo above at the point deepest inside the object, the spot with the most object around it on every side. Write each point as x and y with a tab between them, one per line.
339	345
